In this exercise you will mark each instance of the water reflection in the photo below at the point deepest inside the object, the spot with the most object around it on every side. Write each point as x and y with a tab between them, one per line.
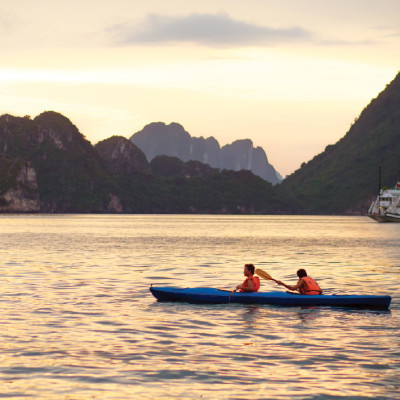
78	320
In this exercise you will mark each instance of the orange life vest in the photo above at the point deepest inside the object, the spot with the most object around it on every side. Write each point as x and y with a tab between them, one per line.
311	287
256	283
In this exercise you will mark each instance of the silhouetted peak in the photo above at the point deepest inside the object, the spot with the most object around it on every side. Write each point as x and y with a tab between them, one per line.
121	155
172	140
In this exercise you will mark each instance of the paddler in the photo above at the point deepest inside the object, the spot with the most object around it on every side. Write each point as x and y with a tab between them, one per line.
305	284
251	283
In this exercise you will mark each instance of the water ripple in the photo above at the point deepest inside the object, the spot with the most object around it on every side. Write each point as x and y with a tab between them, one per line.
78	320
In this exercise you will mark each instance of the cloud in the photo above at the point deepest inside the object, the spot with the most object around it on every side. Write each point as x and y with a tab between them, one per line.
6	21
205	29
344	43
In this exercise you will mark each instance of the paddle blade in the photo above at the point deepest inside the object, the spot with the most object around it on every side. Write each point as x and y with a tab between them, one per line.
264	275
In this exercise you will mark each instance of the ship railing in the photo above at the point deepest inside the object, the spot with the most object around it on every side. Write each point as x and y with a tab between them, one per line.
374	209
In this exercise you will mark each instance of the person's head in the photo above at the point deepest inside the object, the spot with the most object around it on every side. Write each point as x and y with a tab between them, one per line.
301	273
248	269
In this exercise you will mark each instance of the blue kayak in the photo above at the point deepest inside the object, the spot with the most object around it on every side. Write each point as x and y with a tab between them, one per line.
218	296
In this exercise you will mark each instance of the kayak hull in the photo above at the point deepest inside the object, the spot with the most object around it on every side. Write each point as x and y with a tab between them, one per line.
217	296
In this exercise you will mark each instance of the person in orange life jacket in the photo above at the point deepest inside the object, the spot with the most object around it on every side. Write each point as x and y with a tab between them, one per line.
305	284
251	283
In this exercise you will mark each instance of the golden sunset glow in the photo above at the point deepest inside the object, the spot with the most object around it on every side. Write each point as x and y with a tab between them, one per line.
291	76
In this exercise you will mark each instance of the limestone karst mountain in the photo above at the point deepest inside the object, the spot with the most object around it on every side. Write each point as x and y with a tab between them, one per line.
172	140
47	165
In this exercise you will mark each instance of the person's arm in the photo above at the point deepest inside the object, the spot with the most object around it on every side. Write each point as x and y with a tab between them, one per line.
298	285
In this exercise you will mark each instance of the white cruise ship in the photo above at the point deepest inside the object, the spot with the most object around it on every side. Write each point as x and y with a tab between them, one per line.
386	207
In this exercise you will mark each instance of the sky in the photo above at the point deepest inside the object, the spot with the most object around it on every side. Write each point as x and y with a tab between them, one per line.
291	75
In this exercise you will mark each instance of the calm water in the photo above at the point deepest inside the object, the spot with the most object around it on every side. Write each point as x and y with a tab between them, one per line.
78	321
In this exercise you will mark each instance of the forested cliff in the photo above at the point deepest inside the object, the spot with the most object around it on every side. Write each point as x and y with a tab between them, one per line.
344	178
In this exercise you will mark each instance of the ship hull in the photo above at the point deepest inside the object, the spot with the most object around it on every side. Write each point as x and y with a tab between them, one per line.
385	218
393	217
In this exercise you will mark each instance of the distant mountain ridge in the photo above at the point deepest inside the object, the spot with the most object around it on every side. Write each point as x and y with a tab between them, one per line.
173	140
47	165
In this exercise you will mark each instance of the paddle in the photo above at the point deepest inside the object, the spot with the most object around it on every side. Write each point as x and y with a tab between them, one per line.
265	275
233	291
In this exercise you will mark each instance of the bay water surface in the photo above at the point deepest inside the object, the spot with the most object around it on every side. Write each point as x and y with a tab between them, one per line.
77	320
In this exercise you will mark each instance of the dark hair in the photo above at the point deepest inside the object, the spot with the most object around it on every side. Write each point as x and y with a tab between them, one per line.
301	273
250	267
